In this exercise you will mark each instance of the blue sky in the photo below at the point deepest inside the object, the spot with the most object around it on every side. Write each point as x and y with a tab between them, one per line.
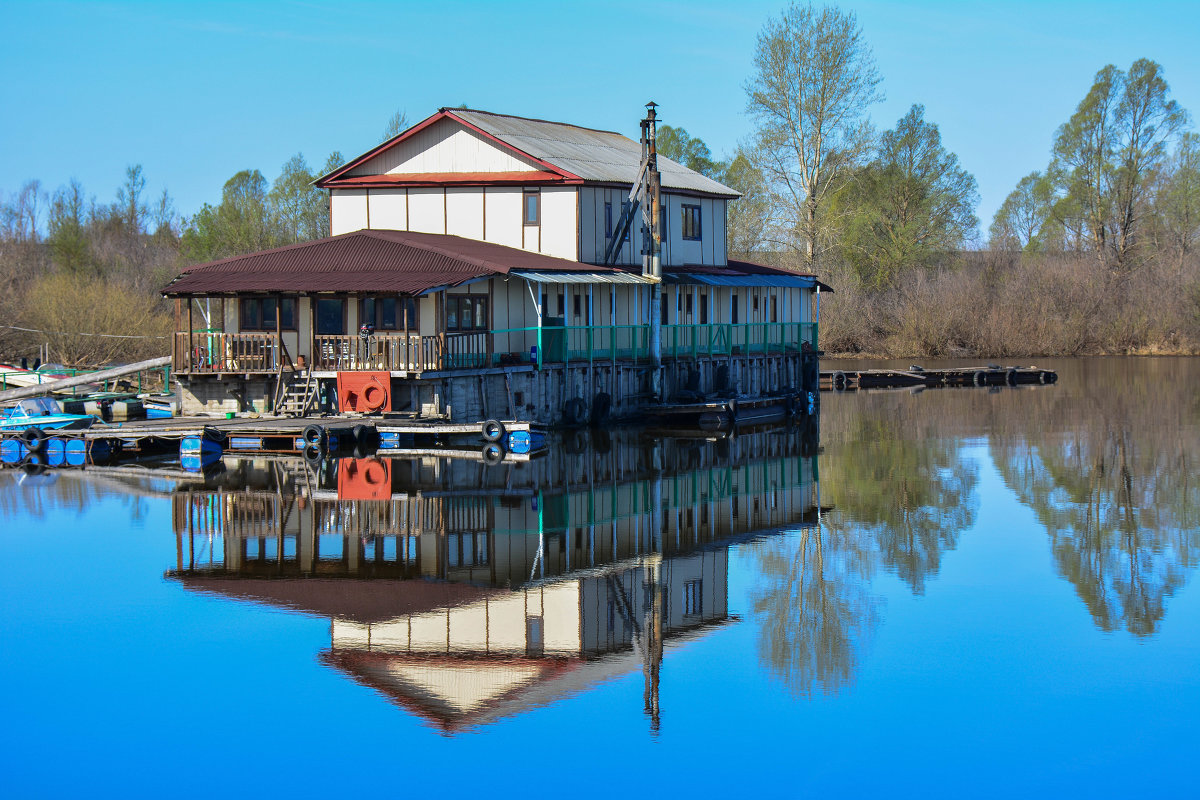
197	91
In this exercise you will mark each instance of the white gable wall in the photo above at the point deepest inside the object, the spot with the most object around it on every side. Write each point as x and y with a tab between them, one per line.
445	146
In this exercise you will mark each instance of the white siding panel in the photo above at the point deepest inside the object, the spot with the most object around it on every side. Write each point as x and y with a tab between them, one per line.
445	146
426	211
504	215
722	251
349	210
388	209
559	223
464	212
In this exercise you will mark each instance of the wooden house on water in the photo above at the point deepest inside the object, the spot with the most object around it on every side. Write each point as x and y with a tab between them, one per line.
484	265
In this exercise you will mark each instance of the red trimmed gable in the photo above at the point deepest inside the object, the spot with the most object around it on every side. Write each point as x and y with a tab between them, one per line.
336	178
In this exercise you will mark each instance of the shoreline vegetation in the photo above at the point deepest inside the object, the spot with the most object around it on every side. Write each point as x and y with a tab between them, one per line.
1095	254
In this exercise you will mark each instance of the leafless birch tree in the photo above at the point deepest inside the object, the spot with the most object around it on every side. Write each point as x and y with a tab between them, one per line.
814	78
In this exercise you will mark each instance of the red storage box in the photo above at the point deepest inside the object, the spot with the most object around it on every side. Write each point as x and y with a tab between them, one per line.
364	392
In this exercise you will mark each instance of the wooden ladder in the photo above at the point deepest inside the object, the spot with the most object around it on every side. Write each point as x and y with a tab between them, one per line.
294	394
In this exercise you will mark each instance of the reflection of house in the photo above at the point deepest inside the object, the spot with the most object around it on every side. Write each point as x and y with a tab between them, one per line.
474	243
464	605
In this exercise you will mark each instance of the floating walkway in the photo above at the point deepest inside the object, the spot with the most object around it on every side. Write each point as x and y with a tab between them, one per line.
991	375
200	440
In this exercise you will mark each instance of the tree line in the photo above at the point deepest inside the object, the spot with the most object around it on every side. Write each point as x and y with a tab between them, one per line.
83	276
888	217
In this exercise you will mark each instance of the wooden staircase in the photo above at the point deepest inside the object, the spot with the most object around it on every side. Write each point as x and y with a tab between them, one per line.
295	391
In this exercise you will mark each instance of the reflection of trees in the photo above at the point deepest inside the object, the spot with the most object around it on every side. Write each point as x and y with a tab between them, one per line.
1107	464
902	484
815	609
902	492
1121	518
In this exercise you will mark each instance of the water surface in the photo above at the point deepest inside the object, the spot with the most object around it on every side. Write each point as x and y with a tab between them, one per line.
971	592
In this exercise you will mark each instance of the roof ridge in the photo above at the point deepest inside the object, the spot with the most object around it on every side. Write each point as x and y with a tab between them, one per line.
533	119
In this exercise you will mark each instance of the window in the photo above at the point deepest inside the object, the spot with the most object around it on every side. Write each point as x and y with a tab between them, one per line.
608	220
691	222
258	314
733	310
703	309
466	550
466	312
533	207
693	599
562	305
577	305
533	636
331	317
388	313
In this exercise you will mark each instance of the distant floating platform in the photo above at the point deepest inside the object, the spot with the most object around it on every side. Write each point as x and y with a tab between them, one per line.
992	375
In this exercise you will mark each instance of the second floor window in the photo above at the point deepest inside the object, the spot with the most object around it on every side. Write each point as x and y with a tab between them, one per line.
608	220
465	312
258	313
691	222
533	207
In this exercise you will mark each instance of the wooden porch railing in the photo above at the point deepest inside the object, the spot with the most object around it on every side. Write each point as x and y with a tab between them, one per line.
226	352
394	352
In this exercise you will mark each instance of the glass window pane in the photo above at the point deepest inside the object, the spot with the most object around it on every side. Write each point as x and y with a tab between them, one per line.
331	317
251	314
387	313
531	208
452	314
481	313
268	313
366	311
288	312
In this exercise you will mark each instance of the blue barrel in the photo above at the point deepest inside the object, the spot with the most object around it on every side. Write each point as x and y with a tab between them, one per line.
76	452
11	451
56	452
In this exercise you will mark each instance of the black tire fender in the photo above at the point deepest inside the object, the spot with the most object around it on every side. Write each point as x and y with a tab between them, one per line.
34	439
314	436
492	453
492	430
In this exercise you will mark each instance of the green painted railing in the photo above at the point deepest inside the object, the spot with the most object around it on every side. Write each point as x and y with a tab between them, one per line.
558	344
13	379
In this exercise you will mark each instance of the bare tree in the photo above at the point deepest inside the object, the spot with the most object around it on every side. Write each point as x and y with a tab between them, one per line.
814	78
396	125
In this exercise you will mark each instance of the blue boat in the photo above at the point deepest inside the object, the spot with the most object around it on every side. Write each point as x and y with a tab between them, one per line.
42	413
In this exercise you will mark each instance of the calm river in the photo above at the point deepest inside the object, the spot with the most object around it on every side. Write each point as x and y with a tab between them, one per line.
957	592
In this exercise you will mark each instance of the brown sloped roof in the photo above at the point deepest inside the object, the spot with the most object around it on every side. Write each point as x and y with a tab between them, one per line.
365	261
362	601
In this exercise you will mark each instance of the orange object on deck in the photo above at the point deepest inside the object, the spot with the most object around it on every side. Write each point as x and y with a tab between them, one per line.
364	479
364	392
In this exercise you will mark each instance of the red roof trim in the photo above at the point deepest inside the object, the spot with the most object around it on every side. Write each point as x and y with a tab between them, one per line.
448	179
420	126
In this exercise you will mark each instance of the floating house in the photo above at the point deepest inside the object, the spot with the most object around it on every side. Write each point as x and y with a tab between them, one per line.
485	265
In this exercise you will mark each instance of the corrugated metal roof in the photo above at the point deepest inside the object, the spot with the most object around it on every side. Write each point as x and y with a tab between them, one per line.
780	281
591	154
616	276
366	261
